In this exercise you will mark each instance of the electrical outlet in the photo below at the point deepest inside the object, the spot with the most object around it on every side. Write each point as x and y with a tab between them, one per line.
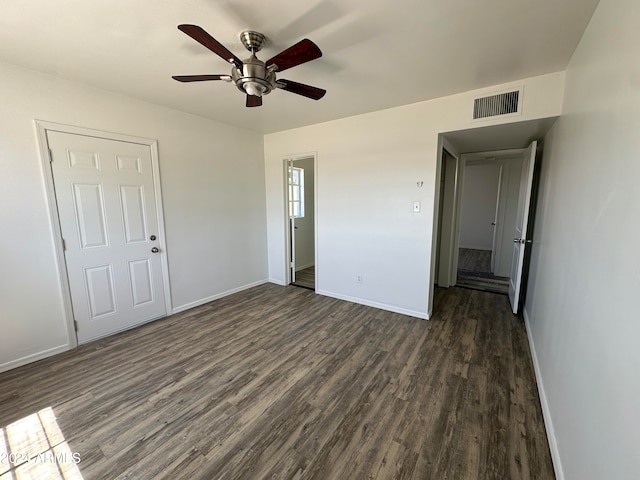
358	278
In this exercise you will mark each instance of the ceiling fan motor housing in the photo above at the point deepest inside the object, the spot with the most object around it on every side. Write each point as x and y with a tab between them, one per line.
254	78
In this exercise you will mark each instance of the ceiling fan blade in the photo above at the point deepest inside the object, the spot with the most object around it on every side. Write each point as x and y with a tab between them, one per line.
202	37
308	91
200	78
303	51
254	101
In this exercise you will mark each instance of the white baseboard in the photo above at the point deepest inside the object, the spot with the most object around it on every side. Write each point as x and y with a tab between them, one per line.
468	247
202	301
302	267
34	357
381	306
278	281
546	412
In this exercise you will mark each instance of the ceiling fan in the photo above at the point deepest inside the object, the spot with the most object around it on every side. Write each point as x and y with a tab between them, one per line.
253	76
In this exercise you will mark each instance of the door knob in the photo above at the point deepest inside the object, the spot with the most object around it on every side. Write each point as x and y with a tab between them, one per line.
155	250
152	238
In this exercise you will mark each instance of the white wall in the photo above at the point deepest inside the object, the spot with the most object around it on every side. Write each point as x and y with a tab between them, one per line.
367	170
212	178
479	204
582	301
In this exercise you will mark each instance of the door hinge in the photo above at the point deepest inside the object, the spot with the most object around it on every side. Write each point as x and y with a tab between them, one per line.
292	265
50	156
64	245
75	325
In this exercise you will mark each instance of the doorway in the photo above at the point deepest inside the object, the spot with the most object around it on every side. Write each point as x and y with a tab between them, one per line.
487	219
105	199
301	238
504	138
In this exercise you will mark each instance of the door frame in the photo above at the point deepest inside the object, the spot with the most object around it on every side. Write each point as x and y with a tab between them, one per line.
287	221
461	160
42	127
445	253
478	158
443	144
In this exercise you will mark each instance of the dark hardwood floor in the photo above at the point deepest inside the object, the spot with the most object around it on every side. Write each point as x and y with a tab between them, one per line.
474	271
277	382
306	278
474	260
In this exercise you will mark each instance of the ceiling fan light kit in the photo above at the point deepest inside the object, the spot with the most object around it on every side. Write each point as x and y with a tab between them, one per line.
252	76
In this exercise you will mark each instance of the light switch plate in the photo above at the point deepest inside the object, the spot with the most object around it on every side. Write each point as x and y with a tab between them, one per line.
416	207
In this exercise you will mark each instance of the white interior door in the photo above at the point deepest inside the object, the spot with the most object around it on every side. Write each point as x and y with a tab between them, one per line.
106	196
496	221
292	220
521	241
292	263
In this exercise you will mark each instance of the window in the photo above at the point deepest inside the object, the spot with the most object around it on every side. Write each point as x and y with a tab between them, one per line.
296	192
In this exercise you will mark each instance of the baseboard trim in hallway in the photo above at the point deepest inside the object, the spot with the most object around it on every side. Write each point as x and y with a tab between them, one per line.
544	402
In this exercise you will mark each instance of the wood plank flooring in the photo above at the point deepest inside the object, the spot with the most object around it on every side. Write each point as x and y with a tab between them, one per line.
474	260
277	382
474	271
306	278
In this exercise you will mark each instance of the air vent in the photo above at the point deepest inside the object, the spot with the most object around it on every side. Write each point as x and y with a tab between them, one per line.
508	103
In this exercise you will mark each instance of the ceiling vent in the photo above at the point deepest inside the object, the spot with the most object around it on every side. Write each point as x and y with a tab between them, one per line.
500	104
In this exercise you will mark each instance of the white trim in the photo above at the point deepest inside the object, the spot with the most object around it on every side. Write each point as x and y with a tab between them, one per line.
54	225
475	248
162	239
544	402
369	303
315	217
277	281
488	156
42	127
435	217
302	267
443	144
34	357
202	301
287	233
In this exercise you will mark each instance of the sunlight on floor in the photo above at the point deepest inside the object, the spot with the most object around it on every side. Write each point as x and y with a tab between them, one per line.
34	448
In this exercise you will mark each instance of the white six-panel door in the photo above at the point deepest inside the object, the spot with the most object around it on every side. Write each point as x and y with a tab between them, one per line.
105	194
520	240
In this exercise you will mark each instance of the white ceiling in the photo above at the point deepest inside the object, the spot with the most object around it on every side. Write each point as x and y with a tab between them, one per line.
377	53
499	137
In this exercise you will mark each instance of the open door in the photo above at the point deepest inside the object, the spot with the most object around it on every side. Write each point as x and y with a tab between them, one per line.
291	193
523	232
495	220
300	178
